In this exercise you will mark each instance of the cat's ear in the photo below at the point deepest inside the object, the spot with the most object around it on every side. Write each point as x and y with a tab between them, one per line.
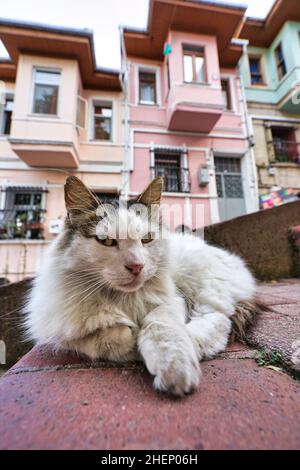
81	203
152	194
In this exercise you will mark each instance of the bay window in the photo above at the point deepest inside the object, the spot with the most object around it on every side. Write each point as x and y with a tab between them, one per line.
102	121
280	62
194	64
147	87
45	95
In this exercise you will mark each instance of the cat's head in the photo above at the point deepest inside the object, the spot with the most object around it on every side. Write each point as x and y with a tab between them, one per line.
119	244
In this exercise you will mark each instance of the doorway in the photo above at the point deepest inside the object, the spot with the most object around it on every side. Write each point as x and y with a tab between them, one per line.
230	192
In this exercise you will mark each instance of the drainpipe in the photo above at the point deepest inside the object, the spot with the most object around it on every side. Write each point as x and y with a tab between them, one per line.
124	79
248	123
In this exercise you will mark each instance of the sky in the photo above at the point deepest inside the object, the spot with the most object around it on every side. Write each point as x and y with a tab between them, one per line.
102	16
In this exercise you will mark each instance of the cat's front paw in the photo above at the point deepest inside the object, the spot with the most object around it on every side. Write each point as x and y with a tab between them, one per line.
178	375
118	343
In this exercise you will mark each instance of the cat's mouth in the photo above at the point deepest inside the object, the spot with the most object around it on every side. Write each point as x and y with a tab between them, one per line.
132	285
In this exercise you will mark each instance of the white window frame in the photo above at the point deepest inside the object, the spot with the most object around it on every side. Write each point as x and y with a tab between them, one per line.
147	69
11	96
185	47
83	100
105	101
17	187
35	69
263	66
232	93
182	153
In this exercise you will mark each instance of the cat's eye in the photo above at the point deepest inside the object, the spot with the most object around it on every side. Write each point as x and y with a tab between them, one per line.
148	238
107	241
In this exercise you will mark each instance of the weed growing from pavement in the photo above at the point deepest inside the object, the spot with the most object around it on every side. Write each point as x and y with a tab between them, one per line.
269	358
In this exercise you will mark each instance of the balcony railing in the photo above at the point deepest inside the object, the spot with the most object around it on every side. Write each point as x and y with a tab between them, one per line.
285	151
176	180
21	224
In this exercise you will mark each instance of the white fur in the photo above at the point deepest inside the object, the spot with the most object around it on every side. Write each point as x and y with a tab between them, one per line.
176	312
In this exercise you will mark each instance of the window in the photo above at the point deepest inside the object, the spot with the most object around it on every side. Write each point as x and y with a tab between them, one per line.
228	178
285	146
46	85
102	120
22	214
226	95
5	116
81	112
280	62
147	87
176	178
107	198
194	64
256	71
168	75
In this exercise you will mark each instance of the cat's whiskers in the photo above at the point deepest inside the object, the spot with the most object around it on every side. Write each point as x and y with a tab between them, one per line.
82	274
83	278
77	289
77	283
97	286
82	271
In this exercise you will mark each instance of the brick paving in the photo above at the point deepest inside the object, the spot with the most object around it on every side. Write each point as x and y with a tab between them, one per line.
279	330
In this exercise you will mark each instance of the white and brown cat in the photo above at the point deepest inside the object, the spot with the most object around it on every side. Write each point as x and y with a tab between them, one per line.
167	299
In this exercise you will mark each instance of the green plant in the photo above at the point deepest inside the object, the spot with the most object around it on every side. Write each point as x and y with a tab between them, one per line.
269	358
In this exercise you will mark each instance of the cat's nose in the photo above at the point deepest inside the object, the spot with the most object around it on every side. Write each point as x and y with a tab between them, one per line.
134	268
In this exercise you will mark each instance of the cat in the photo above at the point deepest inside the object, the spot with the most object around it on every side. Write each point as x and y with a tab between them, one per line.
167	299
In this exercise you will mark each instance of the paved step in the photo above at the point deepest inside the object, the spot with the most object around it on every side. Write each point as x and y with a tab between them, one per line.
279	330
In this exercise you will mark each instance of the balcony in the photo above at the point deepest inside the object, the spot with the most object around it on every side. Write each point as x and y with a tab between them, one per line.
46	153
43	131
194	107
22	216
21	224
285	95
289	92
284	151
176	180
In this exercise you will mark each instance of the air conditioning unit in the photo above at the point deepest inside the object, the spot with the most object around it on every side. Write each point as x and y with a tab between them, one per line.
203	176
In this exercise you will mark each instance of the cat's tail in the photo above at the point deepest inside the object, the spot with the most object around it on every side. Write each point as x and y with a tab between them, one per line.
245	316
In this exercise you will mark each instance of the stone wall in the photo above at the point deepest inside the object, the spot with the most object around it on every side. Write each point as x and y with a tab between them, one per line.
261	239
12	297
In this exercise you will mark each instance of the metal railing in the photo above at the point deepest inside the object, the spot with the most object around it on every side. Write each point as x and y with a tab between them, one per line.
176	180
285	150
21	224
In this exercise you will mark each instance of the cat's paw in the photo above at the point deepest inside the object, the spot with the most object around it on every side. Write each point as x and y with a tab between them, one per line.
210	334
118	343
179	375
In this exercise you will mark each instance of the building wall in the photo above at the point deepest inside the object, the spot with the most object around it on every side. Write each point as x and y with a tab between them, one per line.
271	105
25	124
100	162
275	89
149	127
106	151
20	259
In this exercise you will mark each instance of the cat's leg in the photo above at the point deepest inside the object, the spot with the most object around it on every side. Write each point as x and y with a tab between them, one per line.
116	343
210	330
168	350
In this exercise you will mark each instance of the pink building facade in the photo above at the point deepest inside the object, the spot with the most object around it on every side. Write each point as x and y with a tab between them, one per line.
175	109
187	113
59	115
